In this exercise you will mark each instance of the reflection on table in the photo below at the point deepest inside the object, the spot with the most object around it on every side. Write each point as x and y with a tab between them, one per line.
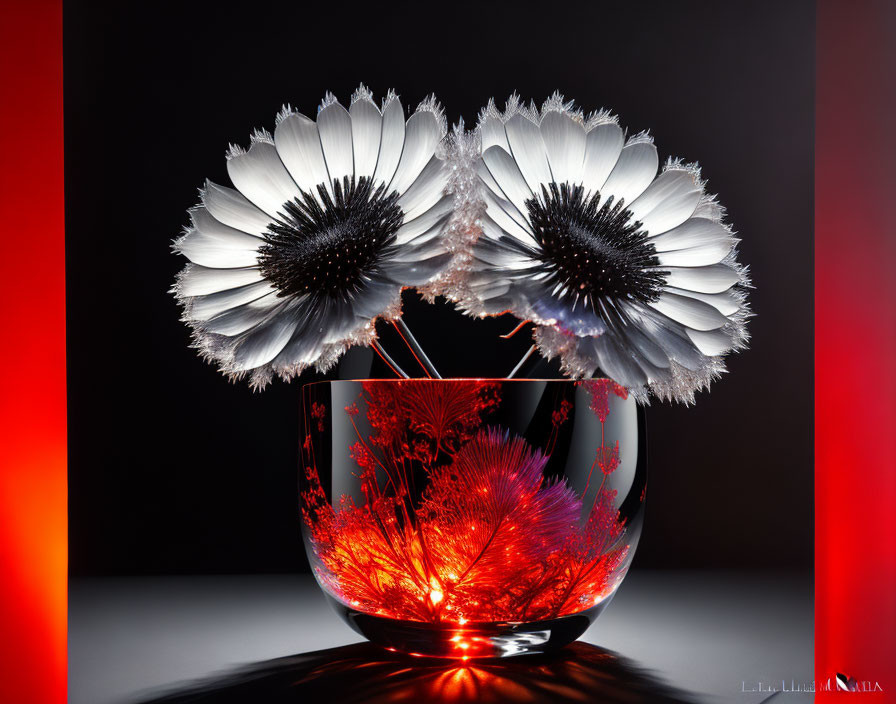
366	673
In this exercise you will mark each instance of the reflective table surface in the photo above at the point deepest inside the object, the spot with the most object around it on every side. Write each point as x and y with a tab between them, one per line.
668	636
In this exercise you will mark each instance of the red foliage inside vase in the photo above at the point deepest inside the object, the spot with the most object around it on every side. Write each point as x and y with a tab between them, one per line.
600	395
608	458
487	539
444	414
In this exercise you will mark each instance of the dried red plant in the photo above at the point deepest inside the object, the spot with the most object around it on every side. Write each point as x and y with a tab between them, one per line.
490	539
600	393
446	412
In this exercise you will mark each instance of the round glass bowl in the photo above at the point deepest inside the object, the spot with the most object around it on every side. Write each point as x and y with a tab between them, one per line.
471	517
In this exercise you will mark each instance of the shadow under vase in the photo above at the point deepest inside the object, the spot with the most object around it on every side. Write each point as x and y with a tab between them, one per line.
364	672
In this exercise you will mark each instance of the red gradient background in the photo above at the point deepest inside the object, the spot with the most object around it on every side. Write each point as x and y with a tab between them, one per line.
855	320
33	520
855	343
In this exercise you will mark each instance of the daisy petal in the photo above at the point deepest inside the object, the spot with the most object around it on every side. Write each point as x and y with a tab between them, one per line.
416	273
487	178
564	142
392	142
416	227
632	173
309	337
213	244
502	255
705	279
712	343
507	176
340	324
322	321
242	318
300	352
578	320
201	281
491	131
425	246
231	208
703	255
260	176
603	145
498	248
727	302
617	363
426	191
527	146
379	296
298	143
422	135
367	125
206	307
694	232
502	212
648	348
691	313
671	336
265	341
335	127
494	295
667	202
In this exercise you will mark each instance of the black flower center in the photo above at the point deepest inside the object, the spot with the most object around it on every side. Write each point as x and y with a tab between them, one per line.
328	244
594	250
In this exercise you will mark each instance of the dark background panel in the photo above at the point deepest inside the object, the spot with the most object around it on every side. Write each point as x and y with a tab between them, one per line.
172	469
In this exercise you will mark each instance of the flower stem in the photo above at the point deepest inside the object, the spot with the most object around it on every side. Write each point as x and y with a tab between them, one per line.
519	365
515	330
416	349
391	363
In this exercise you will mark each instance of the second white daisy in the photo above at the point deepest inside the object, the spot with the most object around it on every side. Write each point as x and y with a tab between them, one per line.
621	269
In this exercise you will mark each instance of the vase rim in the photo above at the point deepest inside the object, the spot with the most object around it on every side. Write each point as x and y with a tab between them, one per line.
451	379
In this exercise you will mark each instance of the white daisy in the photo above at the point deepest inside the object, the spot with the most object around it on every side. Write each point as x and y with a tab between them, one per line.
621	269
328	222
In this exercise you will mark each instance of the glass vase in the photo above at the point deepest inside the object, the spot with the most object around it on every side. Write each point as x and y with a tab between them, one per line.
471	517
